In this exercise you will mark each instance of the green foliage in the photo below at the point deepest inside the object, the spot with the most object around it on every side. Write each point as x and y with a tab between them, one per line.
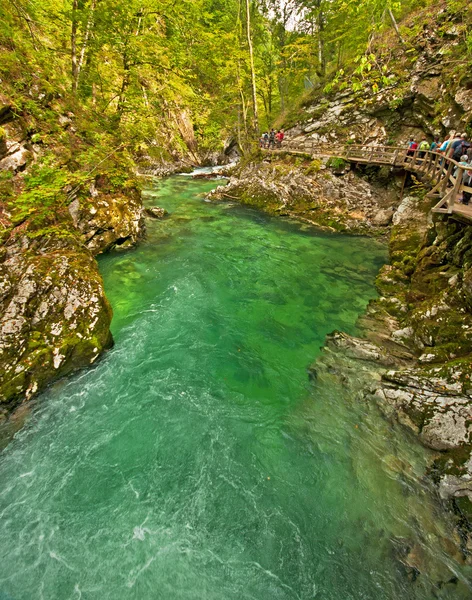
3	134
44	195
314	167
6	185
336	163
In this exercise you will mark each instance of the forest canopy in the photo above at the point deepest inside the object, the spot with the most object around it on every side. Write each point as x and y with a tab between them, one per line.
184	75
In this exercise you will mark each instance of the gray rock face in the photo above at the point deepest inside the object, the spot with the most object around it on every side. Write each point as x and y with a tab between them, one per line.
108	221
55	317
456	487
312	193
430	99
383	218
408	212
437	408
15	160
359	349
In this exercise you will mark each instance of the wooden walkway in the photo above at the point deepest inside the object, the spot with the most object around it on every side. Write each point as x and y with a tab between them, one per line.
443	174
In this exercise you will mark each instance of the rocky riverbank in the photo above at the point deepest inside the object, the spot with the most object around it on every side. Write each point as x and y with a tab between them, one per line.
318	192
418	334
55	315
414	356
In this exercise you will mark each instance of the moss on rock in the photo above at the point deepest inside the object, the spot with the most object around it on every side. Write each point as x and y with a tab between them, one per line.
55	316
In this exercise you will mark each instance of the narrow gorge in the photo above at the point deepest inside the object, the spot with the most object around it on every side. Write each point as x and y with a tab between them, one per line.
227	370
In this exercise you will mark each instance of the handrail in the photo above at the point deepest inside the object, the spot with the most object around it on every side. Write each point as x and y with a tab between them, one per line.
445	173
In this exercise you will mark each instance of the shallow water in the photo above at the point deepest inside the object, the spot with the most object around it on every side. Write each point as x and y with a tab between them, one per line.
196	460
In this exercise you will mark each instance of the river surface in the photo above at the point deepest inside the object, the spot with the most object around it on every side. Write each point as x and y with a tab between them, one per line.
196	460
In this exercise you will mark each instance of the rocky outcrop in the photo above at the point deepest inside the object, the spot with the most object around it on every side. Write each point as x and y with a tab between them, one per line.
149	167
408	90
310	191
15	157
416	355
55	317
439	408
108	220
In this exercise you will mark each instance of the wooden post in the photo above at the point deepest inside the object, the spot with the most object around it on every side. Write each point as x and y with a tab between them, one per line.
448	174
395	155
435	166
430	163
455	191
405	157
430	160
403	185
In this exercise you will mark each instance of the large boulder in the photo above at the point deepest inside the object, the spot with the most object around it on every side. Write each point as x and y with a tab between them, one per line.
108	220
55	317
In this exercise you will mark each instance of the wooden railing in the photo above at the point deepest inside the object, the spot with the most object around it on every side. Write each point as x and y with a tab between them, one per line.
444	174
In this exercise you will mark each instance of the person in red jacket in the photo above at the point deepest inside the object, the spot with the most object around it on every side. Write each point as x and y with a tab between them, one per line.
279	137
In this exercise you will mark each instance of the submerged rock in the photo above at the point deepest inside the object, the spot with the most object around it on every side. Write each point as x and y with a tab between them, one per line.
155	212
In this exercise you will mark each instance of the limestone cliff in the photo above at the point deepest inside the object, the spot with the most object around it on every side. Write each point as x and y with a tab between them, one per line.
420	87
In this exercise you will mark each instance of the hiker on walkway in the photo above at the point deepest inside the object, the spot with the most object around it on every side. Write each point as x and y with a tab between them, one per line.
262	141
412	146
464	161
272	138
467	180
460	147
279	136
266	139
423	147
435	144
443	148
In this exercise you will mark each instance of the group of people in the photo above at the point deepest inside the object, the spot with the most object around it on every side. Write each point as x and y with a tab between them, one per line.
272	139
455	146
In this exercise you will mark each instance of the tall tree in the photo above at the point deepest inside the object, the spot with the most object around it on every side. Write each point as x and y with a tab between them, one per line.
253	69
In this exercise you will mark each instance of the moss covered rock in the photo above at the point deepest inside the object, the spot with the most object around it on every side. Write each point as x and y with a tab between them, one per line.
108	219
307	190
55	316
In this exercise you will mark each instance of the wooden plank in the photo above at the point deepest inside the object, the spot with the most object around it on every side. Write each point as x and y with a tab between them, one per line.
463	211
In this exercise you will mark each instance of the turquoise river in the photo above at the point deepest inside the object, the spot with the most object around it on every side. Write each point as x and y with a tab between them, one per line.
197	460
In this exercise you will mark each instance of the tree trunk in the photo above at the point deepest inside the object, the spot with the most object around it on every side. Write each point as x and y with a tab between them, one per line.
124	86
321	53
85	42
243	107
395	26
253	70
73	45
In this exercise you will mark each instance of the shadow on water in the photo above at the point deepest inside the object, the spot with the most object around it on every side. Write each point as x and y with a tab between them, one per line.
197	460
